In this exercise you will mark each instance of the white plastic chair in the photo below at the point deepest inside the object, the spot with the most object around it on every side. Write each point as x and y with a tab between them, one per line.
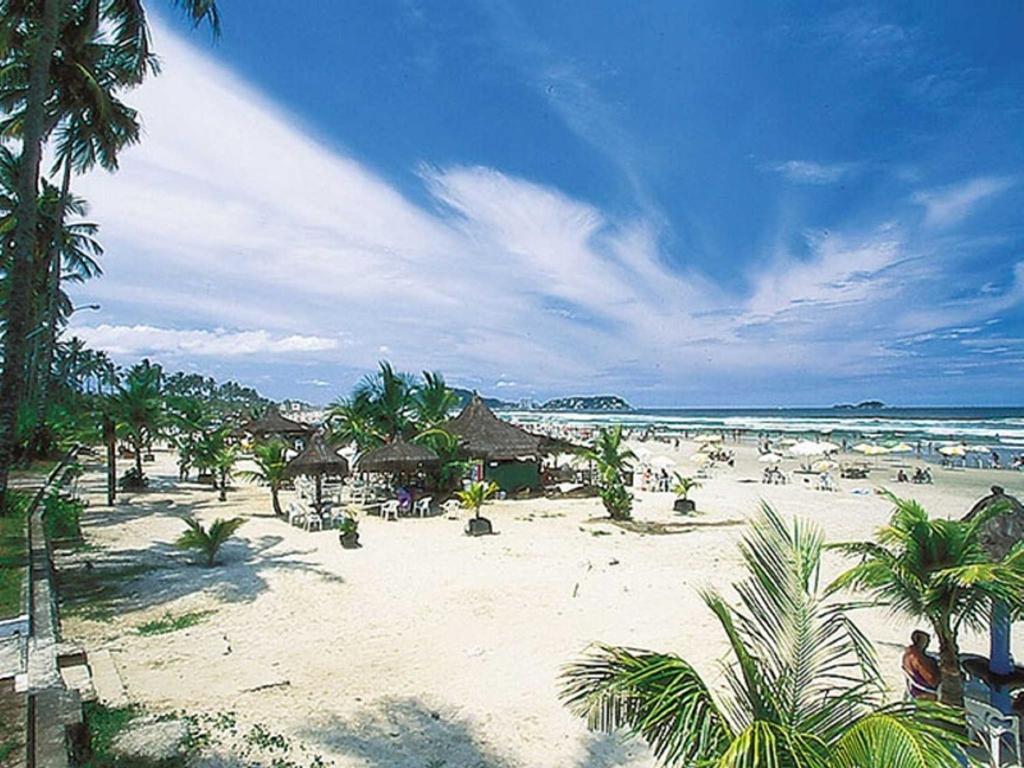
987	722
451	507
422	506
295	514
313	520
389	510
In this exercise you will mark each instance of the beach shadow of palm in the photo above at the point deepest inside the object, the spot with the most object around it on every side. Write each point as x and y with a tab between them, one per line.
408	733
128	580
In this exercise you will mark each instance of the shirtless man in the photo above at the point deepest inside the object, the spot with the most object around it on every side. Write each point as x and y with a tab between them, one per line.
921	669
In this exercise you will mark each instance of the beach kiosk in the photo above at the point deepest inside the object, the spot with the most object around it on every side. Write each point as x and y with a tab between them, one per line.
998	536
508	455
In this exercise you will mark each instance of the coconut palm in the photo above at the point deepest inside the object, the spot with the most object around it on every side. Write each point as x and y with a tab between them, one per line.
803	688
433	400
612	459
391	395
353	420
208	542
36	25
476	495
224	460
138	409
683	485
271	460
936	570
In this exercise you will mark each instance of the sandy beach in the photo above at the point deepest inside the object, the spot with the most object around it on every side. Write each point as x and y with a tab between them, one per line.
427	647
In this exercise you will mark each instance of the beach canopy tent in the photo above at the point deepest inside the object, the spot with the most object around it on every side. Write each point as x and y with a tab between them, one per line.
317	460
507	451
808	448
998	536
273	424
398	456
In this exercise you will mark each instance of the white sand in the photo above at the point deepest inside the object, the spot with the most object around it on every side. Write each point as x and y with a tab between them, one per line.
428	645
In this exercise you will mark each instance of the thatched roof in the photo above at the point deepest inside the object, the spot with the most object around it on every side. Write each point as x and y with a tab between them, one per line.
1000	533
484	436
397	456
318	458
273	423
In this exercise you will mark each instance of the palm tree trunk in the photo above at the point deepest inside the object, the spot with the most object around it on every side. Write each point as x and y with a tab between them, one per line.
19	298
223	496
50	336
137	444
275	500
951	685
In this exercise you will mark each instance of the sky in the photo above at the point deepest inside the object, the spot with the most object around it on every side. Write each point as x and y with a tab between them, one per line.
688	204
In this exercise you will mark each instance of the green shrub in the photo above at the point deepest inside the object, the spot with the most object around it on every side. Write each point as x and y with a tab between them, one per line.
61	517
13	552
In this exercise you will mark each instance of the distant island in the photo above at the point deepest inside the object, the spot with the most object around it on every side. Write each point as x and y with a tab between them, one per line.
463	397
866	405
587	403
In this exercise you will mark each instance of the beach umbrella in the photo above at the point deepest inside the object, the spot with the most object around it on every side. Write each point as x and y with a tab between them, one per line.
316	460
806	449
863	447
788	441
769	458
662	462
901	448
824	466
709	439
953	450
273	424
978	449
828	447
700	458
876	450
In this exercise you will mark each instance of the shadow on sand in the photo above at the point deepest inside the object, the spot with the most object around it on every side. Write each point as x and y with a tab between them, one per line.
407	733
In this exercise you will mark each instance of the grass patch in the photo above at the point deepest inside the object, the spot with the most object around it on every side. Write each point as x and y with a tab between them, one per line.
92	594
105	724
13	553
171	623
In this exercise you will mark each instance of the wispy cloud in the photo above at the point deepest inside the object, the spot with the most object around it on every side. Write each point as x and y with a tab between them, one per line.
809	172
148	340
234	234
950	205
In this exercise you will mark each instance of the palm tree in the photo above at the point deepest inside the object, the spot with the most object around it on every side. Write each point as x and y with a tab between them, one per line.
352	420
224	460
85	116
22	28
138	409
683	485
476	495
936	570
433	400
612	459
803	689
208	542
391	394
270	461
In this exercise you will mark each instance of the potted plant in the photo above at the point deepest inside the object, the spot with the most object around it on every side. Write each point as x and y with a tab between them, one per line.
682	487
474	497
348	533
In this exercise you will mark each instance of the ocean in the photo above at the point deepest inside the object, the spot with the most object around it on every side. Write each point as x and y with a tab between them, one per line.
1001	428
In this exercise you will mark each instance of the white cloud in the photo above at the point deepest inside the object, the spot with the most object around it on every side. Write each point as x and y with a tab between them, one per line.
951	205
809	172
147	340
234	217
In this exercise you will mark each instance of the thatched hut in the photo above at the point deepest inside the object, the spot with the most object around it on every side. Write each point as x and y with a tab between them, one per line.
398	456
273	424
509	456
998	536
317	460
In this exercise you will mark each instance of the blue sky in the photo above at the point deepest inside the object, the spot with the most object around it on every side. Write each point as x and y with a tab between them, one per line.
696	204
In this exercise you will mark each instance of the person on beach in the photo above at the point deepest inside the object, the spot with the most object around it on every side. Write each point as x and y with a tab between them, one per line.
922	670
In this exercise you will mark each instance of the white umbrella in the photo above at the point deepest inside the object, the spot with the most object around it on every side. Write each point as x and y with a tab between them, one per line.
700	458
828	447
953	450
875	450
807	448
863	447
709	439
769	458
901	448
662	462
824	466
